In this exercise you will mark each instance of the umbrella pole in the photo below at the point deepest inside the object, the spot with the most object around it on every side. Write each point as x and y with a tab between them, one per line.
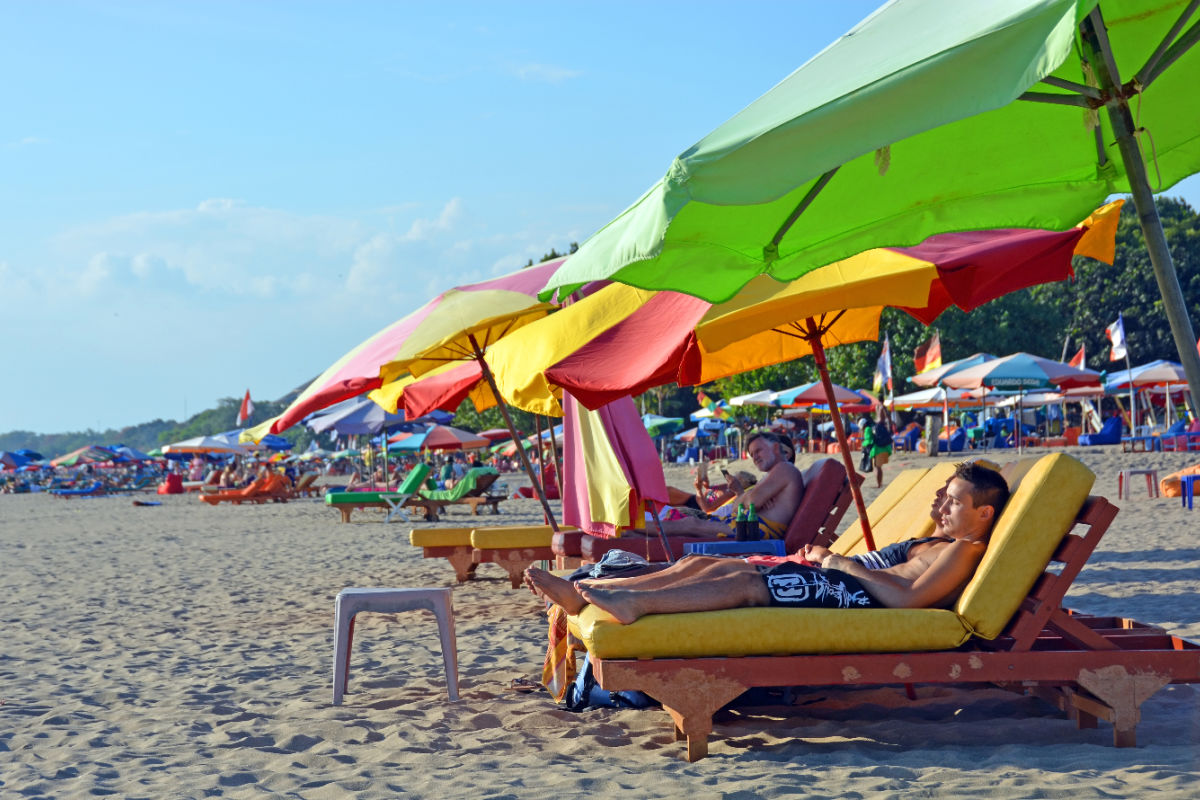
384	444
662	534
512	429
558	467
819	356
1096	45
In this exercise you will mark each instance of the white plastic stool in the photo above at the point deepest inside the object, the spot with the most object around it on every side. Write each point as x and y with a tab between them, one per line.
351	601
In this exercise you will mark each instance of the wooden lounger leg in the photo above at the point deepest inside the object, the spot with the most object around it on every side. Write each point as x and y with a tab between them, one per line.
690	696
345	513
1121	696
463	561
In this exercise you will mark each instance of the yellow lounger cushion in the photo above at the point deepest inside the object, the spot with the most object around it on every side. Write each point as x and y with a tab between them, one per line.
769	631
892	494
501	538
909	518
1038	515
440	537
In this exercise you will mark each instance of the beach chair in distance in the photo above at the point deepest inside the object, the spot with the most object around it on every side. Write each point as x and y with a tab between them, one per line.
273	487
95	489
470	490
1008	628
304	486
405	496
1109	433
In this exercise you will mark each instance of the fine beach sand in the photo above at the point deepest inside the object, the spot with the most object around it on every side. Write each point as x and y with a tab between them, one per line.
185	651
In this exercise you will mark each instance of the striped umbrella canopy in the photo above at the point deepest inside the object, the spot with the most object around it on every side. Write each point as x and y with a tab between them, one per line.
1155	373
931	377
450	327
1022	372
810	394
89	454
938	397
205	445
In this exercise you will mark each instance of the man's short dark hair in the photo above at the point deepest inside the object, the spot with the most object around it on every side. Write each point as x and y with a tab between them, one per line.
988	487
789	449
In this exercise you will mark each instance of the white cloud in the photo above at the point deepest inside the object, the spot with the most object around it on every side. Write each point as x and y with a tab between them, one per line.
28	141
545	73
425	228
97	272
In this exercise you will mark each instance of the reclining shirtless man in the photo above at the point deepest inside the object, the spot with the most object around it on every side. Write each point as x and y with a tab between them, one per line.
922	573
776	497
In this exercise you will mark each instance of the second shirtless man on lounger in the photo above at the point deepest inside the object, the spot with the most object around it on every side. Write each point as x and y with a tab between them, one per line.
776	497
919	573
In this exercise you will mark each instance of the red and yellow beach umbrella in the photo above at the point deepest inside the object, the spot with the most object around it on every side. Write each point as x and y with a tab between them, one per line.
623	340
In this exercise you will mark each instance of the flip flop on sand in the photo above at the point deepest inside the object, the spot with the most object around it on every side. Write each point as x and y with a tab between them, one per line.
523	685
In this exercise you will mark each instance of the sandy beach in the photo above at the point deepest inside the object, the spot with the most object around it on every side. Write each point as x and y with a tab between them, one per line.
185	651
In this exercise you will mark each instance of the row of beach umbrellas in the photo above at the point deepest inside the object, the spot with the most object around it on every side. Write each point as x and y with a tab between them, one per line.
789	228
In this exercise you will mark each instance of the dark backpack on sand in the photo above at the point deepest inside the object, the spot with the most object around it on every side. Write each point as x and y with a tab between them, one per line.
882	435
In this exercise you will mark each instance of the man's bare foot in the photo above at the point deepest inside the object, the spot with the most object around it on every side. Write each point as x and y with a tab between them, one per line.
618	602
554	589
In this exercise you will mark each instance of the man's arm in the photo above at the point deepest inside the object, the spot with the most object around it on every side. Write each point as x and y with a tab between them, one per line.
765	491
953	566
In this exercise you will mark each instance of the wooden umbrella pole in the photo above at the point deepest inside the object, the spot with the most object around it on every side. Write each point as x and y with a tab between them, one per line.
512	429
558	467
819	356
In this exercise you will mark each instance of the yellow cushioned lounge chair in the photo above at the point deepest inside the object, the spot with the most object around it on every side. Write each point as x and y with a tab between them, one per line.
1092	667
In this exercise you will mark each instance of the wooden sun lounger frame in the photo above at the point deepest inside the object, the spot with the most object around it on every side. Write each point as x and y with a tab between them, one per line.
1090	667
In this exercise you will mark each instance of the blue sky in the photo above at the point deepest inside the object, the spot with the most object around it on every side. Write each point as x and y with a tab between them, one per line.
200	198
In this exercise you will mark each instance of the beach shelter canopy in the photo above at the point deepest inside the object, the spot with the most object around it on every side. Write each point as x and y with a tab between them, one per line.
1022	371
931	377
496	434
926	117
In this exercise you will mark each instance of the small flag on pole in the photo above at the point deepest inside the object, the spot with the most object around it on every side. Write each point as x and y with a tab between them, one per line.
1080	359
883	367
1116	336
246	410
928	355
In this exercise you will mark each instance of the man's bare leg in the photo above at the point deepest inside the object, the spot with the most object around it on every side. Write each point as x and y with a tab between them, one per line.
735	584
686	567
538	580
554	589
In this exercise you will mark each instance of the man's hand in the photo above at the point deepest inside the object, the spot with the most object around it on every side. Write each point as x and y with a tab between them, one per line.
815	553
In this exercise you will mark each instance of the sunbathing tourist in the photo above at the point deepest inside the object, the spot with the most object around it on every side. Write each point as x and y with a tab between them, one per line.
775	498
711	498
920	573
